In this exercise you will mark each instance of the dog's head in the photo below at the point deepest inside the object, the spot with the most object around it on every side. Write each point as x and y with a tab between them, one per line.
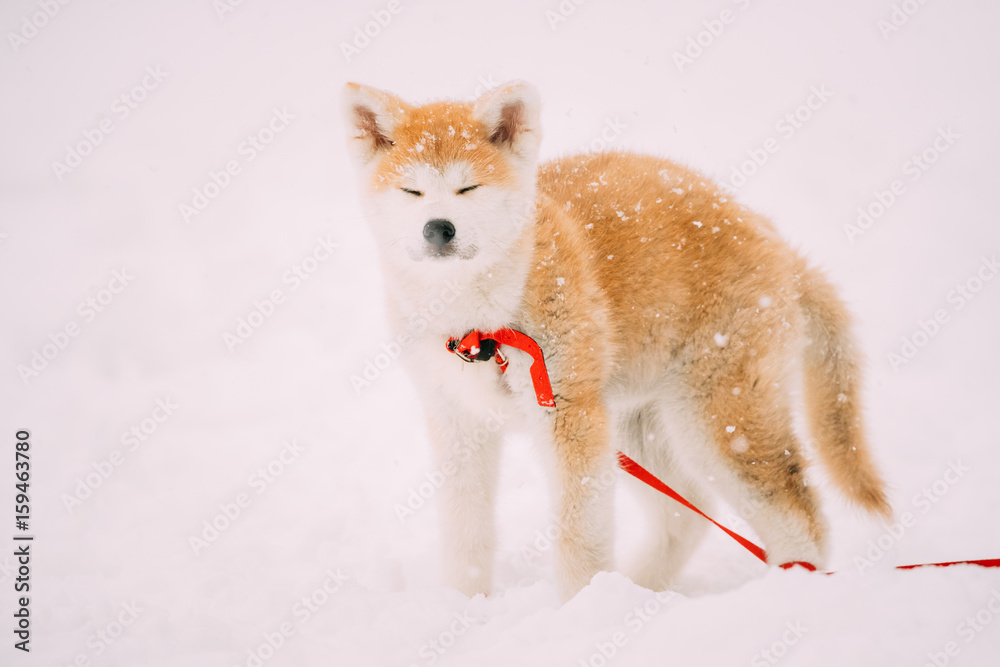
448	184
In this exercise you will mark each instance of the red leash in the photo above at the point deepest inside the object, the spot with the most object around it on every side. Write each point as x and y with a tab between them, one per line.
477	346
643	475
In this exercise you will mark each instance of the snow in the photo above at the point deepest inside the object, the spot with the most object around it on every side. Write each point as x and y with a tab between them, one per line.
202	349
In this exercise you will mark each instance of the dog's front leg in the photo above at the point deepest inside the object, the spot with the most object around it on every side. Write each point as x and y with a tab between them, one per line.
585	481
466	448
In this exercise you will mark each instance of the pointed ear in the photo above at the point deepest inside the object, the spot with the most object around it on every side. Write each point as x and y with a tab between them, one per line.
510	114
372	116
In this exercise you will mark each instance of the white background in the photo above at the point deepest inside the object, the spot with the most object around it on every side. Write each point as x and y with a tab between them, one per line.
332	508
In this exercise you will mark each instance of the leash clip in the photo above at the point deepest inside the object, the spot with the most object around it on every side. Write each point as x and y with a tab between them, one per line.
472	348
461	354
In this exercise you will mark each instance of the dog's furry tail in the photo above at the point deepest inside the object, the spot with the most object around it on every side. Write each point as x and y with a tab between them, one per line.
831	390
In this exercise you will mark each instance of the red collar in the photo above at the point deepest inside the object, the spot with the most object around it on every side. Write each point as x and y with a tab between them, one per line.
479	346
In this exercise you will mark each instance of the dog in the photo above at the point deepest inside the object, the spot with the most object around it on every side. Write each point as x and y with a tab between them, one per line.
675	325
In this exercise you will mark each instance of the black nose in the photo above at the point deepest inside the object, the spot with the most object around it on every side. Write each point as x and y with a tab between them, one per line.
439	232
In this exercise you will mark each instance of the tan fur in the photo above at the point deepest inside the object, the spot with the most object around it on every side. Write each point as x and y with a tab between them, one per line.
672	320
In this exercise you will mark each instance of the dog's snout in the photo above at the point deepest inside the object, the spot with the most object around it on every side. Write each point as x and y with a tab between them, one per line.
439	231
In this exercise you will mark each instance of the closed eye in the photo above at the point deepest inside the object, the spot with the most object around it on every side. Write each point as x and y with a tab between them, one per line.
469	188
415	193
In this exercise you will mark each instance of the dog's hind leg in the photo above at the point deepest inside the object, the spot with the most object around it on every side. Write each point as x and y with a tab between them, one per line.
674	531
762	466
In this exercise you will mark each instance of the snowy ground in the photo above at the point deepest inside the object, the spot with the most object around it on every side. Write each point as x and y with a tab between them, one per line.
135	301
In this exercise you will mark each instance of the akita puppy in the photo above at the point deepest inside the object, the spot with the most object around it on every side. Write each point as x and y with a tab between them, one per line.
672	320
